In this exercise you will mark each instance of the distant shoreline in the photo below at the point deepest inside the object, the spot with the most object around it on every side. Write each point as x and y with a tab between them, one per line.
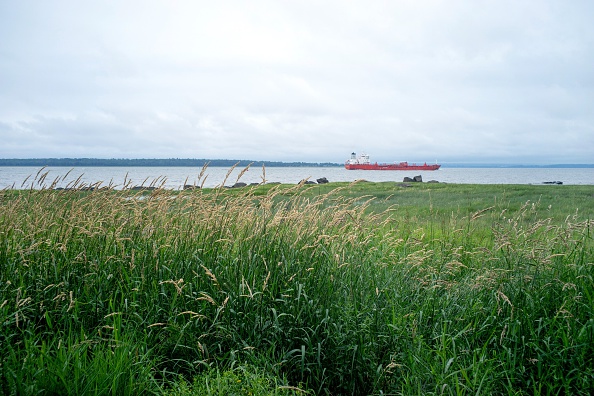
154	162
191	162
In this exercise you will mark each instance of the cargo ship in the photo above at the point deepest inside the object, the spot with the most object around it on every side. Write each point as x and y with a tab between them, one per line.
361	162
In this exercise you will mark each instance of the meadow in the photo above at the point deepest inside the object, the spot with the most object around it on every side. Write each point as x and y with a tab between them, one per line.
335	289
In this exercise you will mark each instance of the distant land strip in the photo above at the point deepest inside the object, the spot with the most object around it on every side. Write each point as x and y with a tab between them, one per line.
189	162
194	162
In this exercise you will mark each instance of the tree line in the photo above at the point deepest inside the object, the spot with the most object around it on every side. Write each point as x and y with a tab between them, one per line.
129	162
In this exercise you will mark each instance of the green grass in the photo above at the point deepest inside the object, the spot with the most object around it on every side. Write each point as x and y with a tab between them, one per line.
365	288
243	380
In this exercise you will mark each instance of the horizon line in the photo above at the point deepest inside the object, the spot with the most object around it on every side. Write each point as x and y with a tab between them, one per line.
68	161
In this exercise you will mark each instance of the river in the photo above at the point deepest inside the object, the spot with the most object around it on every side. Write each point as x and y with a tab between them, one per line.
177	177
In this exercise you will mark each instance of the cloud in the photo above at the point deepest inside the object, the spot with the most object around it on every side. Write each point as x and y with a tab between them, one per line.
410	80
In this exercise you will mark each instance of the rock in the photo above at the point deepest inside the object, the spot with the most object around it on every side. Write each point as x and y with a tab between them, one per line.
254	184
143	188
239	184
432	181
552	182
322	180
191	187
307	182
416	179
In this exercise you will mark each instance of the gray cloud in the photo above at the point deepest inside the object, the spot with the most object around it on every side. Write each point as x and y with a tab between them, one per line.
455	81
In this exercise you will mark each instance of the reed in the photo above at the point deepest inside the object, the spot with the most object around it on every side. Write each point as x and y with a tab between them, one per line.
342	289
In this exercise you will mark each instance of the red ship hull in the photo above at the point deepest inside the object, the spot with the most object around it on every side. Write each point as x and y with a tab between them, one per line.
404	166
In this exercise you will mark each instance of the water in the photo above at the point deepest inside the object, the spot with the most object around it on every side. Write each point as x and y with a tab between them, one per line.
176	177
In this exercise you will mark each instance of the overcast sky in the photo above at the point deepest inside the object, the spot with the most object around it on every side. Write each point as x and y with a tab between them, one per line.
498	81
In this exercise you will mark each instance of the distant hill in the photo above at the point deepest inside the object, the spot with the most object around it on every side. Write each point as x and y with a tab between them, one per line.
189	162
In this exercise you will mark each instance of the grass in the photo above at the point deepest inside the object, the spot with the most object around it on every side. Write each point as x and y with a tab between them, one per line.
366	288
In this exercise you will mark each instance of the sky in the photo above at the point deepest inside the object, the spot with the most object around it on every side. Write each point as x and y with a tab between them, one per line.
465	81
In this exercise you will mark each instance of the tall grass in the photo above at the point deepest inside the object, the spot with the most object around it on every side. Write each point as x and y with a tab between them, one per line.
114	292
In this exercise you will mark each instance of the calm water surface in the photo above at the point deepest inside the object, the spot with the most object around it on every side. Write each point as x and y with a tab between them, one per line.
176	177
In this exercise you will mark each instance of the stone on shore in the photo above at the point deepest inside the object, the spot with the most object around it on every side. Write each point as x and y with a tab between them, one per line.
416	179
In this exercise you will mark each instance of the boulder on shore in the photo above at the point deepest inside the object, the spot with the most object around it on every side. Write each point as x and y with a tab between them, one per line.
416	179
322	180
143	188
